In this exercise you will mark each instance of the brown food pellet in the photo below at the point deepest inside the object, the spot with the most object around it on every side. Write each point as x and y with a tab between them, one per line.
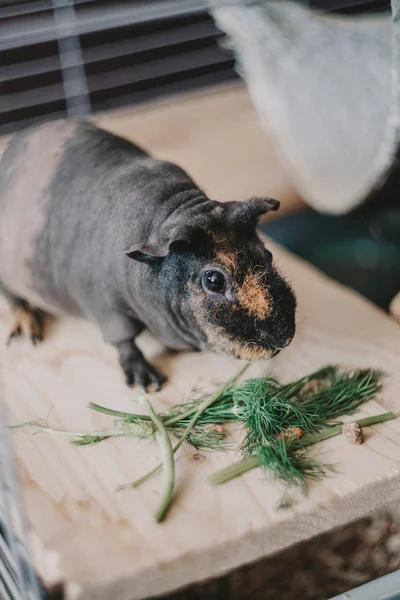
353	433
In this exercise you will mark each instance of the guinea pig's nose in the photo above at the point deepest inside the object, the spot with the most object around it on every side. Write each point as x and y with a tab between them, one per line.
288	341
268	255
285	344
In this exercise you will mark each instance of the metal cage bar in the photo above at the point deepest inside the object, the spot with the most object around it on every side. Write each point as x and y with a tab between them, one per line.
17	578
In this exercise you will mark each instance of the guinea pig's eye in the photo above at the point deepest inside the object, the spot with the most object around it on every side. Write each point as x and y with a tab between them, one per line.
215	281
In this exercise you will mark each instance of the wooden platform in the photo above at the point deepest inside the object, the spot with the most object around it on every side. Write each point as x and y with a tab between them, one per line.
105	545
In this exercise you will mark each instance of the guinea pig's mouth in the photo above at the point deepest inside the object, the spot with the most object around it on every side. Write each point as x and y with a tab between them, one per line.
250	351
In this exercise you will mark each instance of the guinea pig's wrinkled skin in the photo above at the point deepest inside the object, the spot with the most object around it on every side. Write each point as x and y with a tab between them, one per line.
92	226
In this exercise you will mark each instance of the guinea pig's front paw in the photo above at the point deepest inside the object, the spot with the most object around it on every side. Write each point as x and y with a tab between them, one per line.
27	322
138	371
144	375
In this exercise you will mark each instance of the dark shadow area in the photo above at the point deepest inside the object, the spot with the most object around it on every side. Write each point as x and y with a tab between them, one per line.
360	249
319	569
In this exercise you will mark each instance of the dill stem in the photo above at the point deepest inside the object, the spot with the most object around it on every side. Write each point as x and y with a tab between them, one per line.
368	421
171	420
117	413
314	438
234	470
167	421
207	402
251	462
78	434
164	442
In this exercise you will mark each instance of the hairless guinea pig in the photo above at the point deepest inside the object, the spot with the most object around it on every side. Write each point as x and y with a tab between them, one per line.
91	225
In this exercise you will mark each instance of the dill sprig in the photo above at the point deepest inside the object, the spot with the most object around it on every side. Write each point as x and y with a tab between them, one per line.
267	408
341	393
265	412
295	449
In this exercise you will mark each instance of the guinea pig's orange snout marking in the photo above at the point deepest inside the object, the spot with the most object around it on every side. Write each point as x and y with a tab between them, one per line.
227	260
254	297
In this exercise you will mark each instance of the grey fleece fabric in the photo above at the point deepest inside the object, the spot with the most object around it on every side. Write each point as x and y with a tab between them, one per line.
326	88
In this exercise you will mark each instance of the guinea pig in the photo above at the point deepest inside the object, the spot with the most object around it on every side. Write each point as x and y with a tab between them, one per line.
92	226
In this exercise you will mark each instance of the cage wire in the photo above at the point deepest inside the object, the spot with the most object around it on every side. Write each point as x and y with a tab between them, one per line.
18	580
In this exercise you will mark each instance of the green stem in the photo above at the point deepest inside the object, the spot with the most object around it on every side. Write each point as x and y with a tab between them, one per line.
234	470
167	421
368	421
78	434
251	462
205	404
117	413
197	412
314	438
168	461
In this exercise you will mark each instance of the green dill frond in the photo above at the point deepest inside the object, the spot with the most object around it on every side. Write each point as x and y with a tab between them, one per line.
267	408
220	412
265	413
345	393
306	385
286	463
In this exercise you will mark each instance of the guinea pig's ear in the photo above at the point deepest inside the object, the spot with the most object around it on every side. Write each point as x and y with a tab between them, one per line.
140	256
158	245
152	241
248	213
170	225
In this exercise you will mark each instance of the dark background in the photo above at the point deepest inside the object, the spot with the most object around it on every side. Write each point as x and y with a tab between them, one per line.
131	51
